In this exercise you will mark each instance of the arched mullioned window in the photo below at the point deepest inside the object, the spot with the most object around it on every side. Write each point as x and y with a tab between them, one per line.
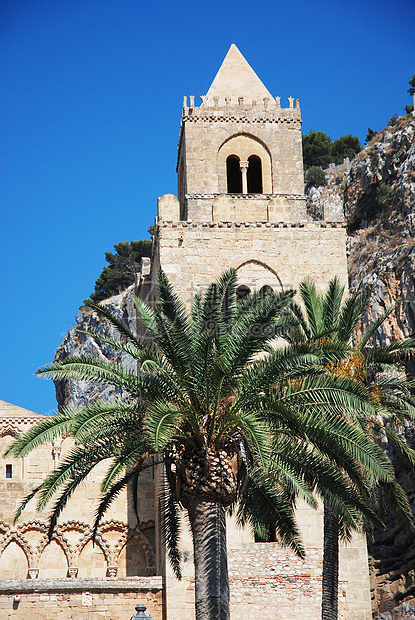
233	175
254	175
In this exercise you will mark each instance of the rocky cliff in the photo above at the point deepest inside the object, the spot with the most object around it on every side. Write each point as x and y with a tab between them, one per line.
375	193
76	343
380	211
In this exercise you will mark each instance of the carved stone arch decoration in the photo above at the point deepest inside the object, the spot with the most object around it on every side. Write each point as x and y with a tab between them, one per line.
5	527
60	540
8	428
148	552
243	146
255	274
99	540
16	537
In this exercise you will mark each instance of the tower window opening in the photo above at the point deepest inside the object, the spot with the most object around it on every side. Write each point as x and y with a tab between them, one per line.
254	175
272	536
234	175
9	471
242	292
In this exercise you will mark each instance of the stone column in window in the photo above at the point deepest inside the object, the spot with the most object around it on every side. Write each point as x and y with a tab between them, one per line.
243	165
56	452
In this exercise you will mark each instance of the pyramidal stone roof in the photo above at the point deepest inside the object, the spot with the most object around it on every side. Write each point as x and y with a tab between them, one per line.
235	79
7	410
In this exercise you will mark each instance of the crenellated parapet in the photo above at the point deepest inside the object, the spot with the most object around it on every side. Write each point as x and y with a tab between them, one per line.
241	110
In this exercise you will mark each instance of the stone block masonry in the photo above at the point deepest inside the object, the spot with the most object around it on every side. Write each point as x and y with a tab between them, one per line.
193	254
79	599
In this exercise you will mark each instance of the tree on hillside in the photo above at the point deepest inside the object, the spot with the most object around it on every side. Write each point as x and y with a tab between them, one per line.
329	320
319	150
345	146
314	177
411	91
370	134
122	269
236	424
316	149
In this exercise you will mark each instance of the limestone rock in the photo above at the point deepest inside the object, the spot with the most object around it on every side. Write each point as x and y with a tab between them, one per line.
79	393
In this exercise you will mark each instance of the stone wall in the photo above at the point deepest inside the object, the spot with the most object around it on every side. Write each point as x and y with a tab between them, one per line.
70	577
79	599
272	583
193	254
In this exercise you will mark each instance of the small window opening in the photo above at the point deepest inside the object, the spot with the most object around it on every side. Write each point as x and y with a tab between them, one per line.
242	292
233	175
9	471
266	289
272	536
254	175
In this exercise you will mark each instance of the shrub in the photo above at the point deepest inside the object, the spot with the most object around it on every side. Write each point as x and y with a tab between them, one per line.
393	120
315	177
384	193
370	134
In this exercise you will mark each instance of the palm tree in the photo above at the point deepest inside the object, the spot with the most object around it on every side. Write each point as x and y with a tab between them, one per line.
237	424
330	323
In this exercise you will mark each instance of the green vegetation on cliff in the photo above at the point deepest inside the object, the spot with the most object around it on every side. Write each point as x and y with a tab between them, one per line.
123	266
319	150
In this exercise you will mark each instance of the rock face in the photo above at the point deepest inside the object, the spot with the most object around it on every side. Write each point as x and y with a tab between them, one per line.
79	393
378	190
380	211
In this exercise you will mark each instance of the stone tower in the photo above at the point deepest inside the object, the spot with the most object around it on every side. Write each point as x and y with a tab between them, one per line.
241	204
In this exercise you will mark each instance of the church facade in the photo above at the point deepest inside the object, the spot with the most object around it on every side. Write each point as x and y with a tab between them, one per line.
240	204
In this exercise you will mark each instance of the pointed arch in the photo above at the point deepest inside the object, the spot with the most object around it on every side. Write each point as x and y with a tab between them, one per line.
136	536
15	537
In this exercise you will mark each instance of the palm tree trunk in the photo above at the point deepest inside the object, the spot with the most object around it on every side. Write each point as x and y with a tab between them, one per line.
330	585
208	523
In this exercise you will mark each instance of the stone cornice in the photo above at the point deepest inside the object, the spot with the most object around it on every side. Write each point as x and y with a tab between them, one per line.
127	584
244	197
242	118
313	225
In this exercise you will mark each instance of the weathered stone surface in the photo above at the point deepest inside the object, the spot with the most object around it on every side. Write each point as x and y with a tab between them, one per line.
76	343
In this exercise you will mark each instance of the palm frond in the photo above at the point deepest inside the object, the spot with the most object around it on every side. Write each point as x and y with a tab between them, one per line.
170	526
97	371
161	423
371	329
265	505
52	427
331	304
126	347
350	314
102	310
313	306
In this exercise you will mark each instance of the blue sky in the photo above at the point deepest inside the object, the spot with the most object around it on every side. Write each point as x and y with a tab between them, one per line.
90	109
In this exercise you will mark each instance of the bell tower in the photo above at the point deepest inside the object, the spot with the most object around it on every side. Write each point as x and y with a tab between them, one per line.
240	155
241	204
